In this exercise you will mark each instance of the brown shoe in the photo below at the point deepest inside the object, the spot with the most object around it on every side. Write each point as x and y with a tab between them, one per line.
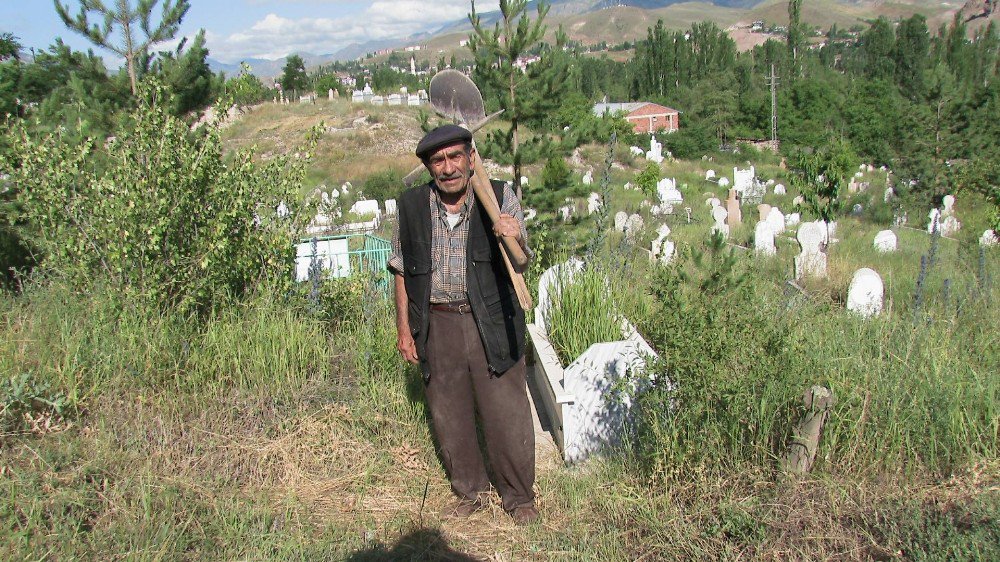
463	508
525	514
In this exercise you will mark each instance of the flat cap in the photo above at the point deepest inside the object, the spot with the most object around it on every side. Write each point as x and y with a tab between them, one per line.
445	135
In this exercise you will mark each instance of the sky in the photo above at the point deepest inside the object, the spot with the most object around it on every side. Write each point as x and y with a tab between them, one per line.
242	29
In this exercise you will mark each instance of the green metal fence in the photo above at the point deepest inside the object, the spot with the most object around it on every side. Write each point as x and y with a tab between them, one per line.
342	255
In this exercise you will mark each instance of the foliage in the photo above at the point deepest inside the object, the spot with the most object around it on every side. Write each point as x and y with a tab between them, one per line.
983	176
556	175
582	312
22	396
822	177
155	213
246	89
187	75
647	179
126	21
293	76
525	94
387	184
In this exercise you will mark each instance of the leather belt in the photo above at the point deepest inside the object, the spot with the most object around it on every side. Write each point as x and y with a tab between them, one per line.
454	307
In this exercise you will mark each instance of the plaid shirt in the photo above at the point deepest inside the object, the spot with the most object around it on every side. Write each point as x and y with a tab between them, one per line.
448	267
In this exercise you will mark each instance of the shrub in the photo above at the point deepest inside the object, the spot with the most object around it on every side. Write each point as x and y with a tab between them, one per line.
156	213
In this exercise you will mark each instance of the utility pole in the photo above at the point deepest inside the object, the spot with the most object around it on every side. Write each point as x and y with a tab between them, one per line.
772	81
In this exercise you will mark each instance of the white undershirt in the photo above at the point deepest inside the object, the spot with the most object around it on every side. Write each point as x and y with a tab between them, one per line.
452	218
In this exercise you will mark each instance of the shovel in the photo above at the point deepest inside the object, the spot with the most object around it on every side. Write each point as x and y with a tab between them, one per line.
455	96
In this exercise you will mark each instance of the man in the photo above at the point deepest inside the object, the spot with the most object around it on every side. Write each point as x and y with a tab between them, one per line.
458	317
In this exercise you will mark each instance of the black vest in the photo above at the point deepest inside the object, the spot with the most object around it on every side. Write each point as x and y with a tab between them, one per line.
491	293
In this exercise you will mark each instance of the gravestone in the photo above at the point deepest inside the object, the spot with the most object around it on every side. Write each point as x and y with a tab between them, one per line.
366	207
777	221
798	201
779	189
763	239
762	211
723	182
989	239
857	210
593	203
529	213
888	194
710	175
636	151
811	261
655	153
394	99
621	217
733	209
712	202
885	241
331	255
661	247
633	225
719	215
565	212
949	222
390	207
377	100
329	94
743	179
413	100
668	192
864	296
792	219
588	178
933	221
358	96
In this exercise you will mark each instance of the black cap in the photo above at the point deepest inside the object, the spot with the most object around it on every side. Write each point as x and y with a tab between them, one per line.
445	135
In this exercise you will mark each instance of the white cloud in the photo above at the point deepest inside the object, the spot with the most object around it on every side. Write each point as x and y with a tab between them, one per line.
276	36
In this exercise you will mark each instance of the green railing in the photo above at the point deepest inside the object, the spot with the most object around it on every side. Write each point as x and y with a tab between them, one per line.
342	255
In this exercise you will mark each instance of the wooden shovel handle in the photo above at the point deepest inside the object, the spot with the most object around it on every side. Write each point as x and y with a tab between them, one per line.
484	192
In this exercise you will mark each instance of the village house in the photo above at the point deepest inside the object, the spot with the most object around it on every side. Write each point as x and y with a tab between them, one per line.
645	117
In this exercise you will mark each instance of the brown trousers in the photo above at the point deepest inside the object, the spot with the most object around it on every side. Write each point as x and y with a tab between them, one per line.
461	385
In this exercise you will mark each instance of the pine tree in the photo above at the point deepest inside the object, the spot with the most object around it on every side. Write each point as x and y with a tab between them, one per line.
126	20
522	94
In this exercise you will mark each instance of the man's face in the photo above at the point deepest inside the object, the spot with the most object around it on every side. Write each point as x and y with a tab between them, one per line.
450	167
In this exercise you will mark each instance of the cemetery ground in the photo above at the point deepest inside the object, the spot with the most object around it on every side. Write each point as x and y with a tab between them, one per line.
283	428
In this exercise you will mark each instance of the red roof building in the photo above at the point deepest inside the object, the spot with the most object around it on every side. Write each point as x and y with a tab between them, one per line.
645	117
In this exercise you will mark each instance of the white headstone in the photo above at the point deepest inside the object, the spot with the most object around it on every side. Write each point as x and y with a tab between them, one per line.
529	213
989	239
949	205
763	239
792	220
864	296
661	247
950	226
331	256
889	193
811	261
633	225
779	189
933	221
713	202
655	153
777	220
668	192
594	203
621	217
719	215
390	207
743	180
885	241
710	175
636	151
329	94
566	212
588	178
723	182
366	207
798	201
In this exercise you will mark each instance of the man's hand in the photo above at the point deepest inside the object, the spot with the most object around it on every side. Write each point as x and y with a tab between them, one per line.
406	346
508	226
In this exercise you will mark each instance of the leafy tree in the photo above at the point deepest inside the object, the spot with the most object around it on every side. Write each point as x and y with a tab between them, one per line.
911	55
796	33
822	177
157	215
497	53
293	76
246	89
126	21
10	47
647	179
